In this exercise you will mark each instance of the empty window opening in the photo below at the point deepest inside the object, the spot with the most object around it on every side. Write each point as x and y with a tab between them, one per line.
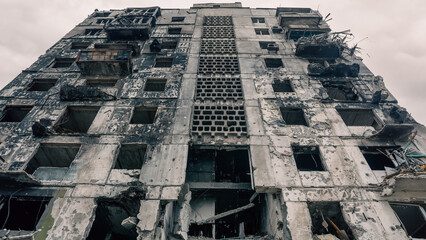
293	116
63	62
174	30
155	85
110	214
221	214
143	115
307	158
261	31
80	45
413	217
330	213
15	113
342	91
92	32
22	213
169	44
103	20
41	84
52	155
213	165
178	19
163	62
274	63
258	20
131	156
76	119
101	82
264	45
282	86
378	157
358	117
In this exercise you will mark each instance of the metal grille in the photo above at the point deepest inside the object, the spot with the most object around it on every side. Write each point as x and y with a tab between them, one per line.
219	88
218	46
218	65
218	32
218	21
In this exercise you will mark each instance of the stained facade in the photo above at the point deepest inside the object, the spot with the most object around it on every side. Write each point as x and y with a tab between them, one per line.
213	122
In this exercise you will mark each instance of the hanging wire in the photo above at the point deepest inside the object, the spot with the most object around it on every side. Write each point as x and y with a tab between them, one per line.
8	207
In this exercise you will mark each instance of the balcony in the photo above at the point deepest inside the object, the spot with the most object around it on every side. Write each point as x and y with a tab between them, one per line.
106	62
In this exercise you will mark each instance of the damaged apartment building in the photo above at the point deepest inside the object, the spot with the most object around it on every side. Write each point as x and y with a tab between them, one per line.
214	122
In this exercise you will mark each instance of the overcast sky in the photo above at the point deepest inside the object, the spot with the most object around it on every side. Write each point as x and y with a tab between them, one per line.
395	47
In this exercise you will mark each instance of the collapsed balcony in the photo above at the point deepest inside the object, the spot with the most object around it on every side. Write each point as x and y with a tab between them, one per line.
301	22
134	24
105	62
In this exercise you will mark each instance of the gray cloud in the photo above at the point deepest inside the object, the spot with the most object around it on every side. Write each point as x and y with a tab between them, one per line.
394	49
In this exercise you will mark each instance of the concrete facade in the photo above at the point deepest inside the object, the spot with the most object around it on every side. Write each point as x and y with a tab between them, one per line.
217	121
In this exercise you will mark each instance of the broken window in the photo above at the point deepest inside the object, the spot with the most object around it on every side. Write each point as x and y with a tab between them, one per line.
80	45
358	117
378	157
63	62
340	90
163	62
213	165
282	86
307	158
174	30
115	219
155	85
22	213
131	156
76	119
327	219
169	44
413	217
274	63
261	31
52	155
143	115
41	84
97	82
103	20
15	113
258	20
293	116
221	214
92	32
178	19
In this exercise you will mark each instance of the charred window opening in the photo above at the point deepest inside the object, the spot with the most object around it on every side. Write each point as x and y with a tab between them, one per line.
22	213
131	156
52	155
378	157
80	45
174	31
274	63
264	45
220	214
358	117
163	62
213	165
326	218
169	44
76	119
293	116
63	62
97	82
178	19
258	20
155	85
143	115
92	32
307	158
103	20
340	90
282	86
261	31
413	217
115	219
15	113
41	85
